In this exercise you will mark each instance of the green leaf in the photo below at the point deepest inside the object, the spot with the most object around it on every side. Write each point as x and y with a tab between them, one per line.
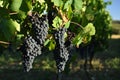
90	29
78	39
79	42
26	5
4	12
46	42
57	22
65	35
51	45
86	39
58	3
16	25
21	15
8	28
67	24
41	1
19	36
90	17
69	12
68	4
15	5
77	5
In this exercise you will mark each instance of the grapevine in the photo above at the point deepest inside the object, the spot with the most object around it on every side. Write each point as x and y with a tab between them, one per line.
53	24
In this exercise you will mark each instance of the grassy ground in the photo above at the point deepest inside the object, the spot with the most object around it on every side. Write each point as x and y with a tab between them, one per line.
106	66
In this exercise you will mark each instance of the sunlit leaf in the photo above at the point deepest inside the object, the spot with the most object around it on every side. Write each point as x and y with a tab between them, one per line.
67	4
67	24
16	25
90	29
77	5
51	45
78	39
46	42
58	3
41	1
15	5
57	22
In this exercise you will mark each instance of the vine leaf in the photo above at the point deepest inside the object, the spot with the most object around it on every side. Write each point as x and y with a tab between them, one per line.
4	12
8	29
46	42
41	1
90	29
84	36
57	22
67	4
78	39
16	25
15	5
68	8
58	3
26	5
77	5
87	39
21	15
51	45
67	24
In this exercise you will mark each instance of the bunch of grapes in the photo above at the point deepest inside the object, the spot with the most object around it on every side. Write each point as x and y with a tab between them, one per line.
32	45
30	50
39	27
60	53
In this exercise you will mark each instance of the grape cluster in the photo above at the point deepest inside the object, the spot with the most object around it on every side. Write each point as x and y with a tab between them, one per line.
33	43
60	53
39	27
30	50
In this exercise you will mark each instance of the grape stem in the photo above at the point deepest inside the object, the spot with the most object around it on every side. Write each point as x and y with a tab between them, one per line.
13	13
65	19
3	42
77	24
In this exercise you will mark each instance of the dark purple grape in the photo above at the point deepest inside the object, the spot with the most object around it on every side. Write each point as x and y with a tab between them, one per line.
60	53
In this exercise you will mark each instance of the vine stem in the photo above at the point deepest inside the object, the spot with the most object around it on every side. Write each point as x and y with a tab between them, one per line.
13	13
3	42
77	24
65	19
59	76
